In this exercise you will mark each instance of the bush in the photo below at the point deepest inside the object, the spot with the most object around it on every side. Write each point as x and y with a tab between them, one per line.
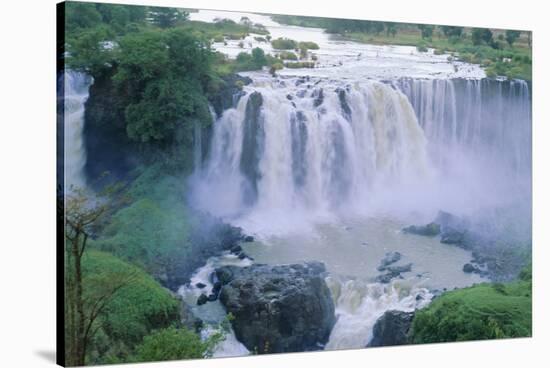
133	312
485	311
288	55
422	48
171	344
309	45
284	44
300	64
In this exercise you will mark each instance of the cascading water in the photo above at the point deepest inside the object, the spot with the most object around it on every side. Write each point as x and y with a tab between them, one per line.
311	146
76	86
297	157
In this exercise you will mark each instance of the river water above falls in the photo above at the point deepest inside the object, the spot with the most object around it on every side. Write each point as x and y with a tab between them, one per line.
331	163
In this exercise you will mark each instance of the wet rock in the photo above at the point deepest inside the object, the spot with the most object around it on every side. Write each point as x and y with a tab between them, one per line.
431	229
389	258
452	236
216	288
278	308
200	285
202	299
387	277
318	97
399	269
392	329
468	268
212	297
248	239
236	249
230	93
188	319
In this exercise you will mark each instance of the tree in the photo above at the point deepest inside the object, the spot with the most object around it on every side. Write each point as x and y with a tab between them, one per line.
480	35
83	305
161	76
452	31
391	29
167	17
512	36
258	57
426	30
81	15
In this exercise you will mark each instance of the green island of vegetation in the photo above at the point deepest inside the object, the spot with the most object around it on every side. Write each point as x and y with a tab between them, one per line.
505	53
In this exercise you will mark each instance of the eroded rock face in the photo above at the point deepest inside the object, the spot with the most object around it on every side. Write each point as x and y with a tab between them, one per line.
284	308
392	329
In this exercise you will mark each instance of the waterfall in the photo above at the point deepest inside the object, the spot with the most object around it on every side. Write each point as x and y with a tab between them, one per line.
76	87
316	146
300	147
489	118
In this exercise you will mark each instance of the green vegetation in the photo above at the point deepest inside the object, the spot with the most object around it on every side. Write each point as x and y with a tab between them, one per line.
284	44
485	311
170	344
287	55
300	64
509	55
139	307
308	45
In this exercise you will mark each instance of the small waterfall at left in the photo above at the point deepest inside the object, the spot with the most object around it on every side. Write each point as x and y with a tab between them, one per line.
76	87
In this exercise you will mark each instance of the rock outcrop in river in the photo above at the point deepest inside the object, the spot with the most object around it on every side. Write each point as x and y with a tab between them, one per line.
284	308
392	329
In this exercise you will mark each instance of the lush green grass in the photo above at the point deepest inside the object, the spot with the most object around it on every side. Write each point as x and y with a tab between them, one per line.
135	310
170	344
485	311
154	227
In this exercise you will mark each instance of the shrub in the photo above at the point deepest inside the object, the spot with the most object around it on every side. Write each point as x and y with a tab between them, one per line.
170	344
283	44
288	55
300	64
133	312
308	45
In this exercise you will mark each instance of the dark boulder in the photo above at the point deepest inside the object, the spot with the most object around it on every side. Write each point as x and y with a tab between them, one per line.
389	258
200	285
229	94
468	268
236	249
248	239
284	308
392	329
452	236
387	277
399	269
202	299
431	229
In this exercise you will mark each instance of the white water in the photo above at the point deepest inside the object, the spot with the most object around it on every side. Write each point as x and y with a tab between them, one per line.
336	182
76	87
212	313
344	59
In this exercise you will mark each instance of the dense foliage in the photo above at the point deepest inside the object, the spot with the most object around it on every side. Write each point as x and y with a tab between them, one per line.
170	344
132	313
485	311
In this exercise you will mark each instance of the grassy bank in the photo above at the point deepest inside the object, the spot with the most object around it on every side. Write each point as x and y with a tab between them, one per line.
485	311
